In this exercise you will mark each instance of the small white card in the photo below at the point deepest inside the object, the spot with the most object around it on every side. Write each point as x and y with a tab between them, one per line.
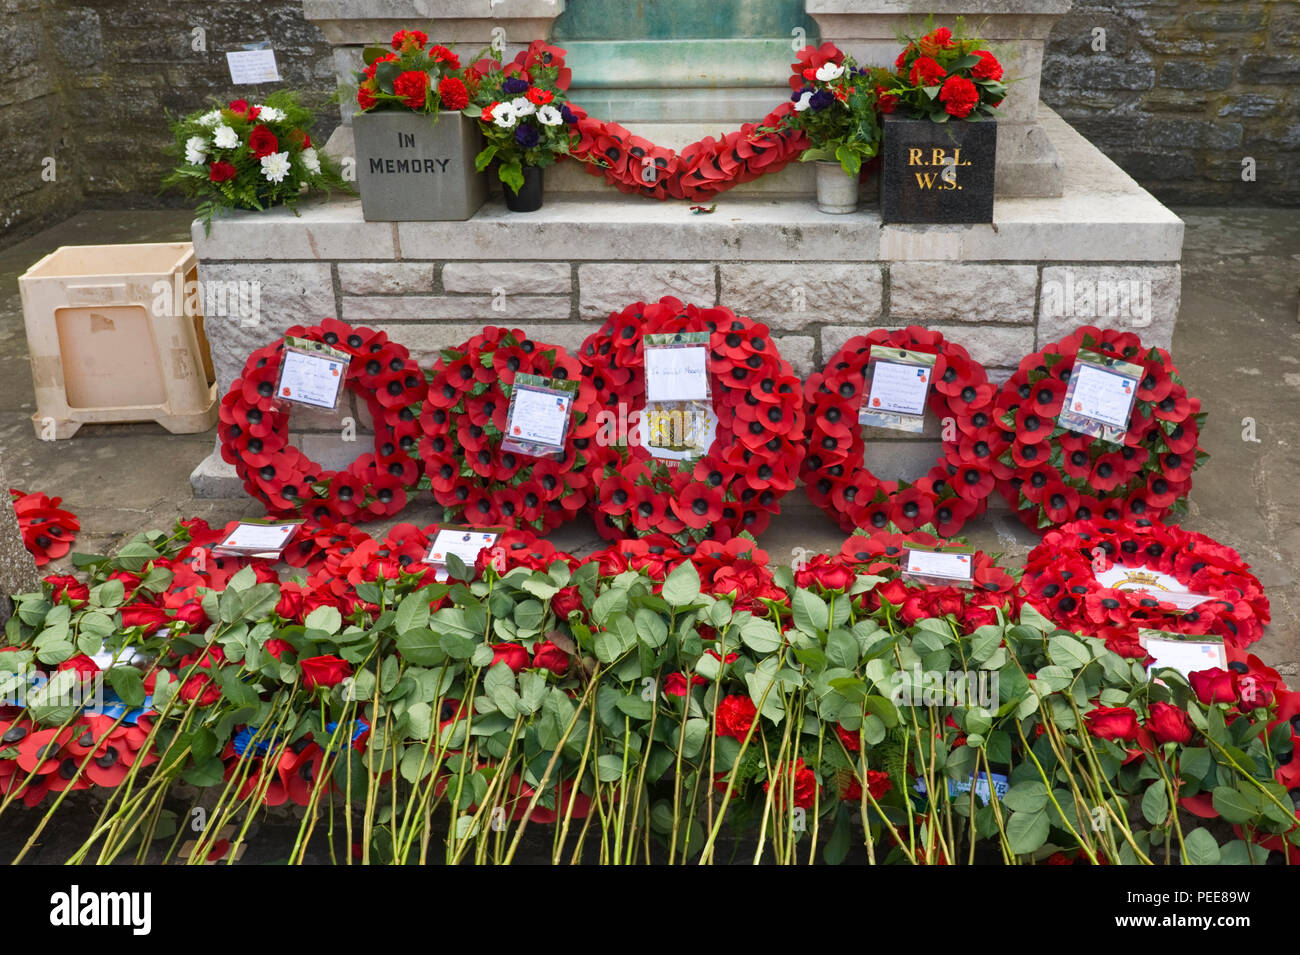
1185	656
950	565
250	539
465	543
1158	586
676	374
252	66
539	417
898	388
1102	395
311	379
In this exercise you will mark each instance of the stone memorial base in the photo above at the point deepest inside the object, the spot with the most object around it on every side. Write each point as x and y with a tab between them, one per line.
1105	252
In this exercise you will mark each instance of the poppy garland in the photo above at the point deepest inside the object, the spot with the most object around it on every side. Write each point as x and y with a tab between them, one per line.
835	474
1061	581
47	529
1053	476
463	421
737	485
254	431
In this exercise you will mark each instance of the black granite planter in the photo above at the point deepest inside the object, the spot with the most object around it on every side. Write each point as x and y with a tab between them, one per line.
937	172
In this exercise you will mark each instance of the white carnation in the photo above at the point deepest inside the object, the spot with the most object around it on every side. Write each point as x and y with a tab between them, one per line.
275	166
210	119
196	150
269	114
310	161
829	71
548	115
225	138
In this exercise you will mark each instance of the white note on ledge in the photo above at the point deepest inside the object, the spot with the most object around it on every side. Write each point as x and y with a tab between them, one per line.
676	374
252	66
898	388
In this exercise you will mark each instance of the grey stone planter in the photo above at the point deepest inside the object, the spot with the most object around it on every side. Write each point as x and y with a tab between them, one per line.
412	168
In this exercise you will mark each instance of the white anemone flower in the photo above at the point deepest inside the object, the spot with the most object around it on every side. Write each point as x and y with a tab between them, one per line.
275	166
225	138
801	103
548	115
504	115
829	71
196	150
310	161
522	106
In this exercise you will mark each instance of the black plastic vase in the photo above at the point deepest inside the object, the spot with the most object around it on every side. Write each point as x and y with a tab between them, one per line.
528	198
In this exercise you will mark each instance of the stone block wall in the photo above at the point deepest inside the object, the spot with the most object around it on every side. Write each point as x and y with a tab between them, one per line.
1180	92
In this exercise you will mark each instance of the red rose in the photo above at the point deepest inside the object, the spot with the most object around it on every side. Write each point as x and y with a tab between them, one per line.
988	68
66	585
1169	724
221	171
675	683
239	107
85	666
1214	686
805	786
290	606
895	592
926	72
192	613
262	142
567	602
200	687
959	96
1112	722
849	738
323	671
735	716
144	615
548	656
453	94
825	572
413	87
277	648
511	654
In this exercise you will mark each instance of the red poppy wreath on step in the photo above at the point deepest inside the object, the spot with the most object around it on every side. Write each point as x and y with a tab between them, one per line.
1052	475
1061	579
835	472
464	418
753	460
254	431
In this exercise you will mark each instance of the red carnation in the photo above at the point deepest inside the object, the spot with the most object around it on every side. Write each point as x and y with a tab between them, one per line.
262	142
453	94
959	96
221	171
1169	724
413	87
323	671
926	72
735	716
988	68
805	786
1112	722
409	40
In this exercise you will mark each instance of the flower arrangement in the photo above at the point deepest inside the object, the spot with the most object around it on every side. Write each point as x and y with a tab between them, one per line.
412	75
647	703
834	107
249	156
943	76
524	112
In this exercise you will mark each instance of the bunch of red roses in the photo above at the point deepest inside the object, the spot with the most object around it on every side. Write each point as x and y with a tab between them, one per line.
254	431
754	459
413	75
472	476
835	473
1061	580
48	530
1052	475
944	76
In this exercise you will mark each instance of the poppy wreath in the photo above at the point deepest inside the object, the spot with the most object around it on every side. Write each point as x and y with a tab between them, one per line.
1060	580
254	431
953	491
464	418
754	459
47	529
1053	476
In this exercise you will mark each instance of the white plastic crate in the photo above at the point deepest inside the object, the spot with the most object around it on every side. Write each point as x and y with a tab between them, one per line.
107	343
